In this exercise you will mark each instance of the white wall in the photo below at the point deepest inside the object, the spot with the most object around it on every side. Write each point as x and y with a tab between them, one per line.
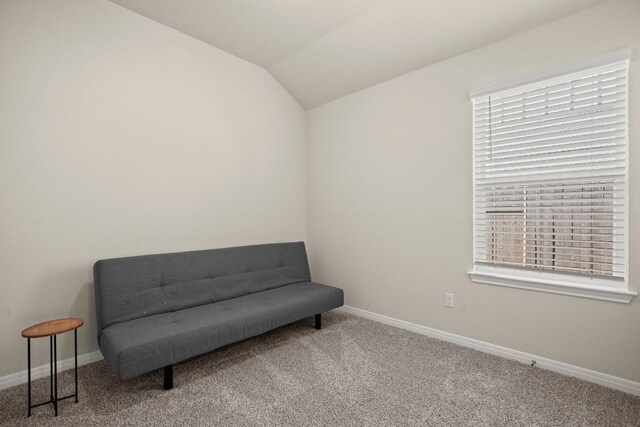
119	136
390	194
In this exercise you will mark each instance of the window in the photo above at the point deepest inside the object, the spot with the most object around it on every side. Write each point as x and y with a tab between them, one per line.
550	182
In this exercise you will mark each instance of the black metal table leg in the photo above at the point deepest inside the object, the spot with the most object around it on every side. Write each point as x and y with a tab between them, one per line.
75	350
55	375
51	368
29	373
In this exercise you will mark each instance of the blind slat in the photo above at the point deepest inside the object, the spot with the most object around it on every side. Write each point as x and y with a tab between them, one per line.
549	210
578	239
560	217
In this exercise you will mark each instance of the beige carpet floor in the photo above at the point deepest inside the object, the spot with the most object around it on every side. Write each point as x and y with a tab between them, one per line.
353	372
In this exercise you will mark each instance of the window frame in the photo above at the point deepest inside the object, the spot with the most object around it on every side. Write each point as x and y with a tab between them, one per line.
596	287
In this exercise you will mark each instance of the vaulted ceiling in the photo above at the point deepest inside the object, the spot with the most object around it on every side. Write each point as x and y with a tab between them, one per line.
320	50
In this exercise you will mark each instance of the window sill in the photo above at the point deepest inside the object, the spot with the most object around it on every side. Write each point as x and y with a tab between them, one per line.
596	288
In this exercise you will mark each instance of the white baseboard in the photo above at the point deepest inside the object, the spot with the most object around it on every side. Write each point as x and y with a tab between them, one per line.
606	380
43	371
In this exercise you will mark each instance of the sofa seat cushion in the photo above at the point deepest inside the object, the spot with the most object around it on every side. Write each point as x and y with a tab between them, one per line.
144	344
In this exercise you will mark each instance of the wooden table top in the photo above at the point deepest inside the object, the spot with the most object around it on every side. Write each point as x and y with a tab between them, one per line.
52	327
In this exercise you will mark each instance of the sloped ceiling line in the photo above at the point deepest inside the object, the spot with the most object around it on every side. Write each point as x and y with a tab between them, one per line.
320	50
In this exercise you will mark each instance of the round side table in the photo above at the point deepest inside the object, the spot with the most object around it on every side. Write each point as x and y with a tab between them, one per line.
51	329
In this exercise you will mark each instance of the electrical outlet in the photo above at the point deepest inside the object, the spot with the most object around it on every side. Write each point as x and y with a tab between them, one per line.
448	300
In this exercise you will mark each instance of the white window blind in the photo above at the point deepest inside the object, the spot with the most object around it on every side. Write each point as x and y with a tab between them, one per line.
550	161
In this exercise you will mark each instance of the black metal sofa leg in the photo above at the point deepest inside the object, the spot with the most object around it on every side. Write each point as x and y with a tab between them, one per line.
318	321
168	377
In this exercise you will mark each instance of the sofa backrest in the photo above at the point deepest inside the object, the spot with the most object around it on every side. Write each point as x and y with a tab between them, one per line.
133	287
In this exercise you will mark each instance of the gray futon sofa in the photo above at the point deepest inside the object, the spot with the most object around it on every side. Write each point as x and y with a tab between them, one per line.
156	310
